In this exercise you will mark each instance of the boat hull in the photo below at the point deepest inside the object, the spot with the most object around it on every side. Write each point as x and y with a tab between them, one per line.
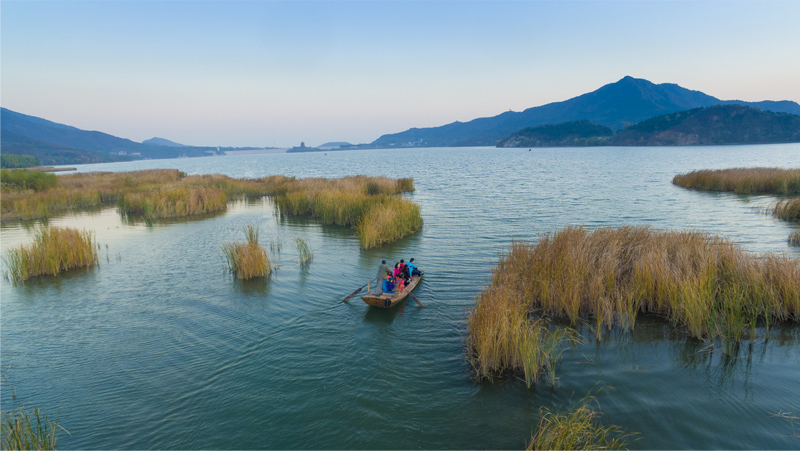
389	300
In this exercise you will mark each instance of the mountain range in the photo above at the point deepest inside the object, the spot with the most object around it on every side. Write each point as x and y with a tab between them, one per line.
54	143
616	105
715	125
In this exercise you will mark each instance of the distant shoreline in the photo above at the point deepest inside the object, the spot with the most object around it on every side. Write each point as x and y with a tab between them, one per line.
254	151
49	169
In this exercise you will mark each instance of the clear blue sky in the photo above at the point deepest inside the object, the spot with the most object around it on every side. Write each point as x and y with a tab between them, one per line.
268	73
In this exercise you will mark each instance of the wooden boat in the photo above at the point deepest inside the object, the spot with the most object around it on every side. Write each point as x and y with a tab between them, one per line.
389	300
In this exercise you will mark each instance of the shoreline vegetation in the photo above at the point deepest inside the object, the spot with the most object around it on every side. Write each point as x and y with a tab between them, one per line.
54	250
23	429
701	283
774	181
372	205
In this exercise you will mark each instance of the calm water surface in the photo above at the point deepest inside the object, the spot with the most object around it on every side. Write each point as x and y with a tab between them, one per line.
159	347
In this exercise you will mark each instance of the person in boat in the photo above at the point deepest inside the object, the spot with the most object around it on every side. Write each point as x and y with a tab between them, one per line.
404	271
401	284
396	272
383	270
388	286
412	269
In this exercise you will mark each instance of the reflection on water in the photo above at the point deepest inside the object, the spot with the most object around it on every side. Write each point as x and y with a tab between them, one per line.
161	347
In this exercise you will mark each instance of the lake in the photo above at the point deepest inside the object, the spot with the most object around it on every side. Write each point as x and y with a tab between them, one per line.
159	347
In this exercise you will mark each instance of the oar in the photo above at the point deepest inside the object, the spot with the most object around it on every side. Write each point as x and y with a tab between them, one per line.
415	299
357	291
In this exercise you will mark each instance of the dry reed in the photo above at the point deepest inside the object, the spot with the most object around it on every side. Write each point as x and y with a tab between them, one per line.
173	203
28	430
247	259
166	193
743	180
388	221
702	283
575	428
788	209
54	249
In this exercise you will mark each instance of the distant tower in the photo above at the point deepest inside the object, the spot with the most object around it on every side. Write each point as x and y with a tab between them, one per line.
302	144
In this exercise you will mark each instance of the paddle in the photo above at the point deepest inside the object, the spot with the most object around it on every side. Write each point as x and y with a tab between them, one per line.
415	299
357	291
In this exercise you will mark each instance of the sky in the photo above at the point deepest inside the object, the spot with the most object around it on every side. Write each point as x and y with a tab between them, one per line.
275	73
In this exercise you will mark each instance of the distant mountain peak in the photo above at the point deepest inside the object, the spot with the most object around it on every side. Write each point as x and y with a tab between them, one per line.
617	105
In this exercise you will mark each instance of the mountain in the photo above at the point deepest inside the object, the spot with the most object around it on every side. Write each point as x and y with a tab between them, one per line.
573	134
628	101
50	154
716	125
30	135
722	124
162	142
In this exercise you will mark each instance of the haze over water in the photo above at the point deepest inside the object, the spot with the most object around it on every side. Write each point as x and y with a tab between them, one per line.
159	347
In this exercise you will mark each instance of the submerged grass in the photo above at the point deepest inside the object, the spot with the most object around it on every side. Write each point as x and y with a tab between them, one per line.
743	180
22	429
166	193
699	282
247	259
576	428
303	252
794	238
54	249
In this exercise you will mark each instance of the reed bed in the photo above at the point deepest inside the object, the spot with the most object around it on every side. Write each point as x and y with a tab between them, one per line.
54	249
788	209
504	339
743	180
247	259
166	193
699	282
173	203
22	429
575	428
388	221
794	238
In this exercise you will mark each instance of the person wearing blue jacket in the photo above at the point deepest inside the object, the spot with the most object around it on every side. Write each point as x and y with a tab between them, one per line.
388	286
412	269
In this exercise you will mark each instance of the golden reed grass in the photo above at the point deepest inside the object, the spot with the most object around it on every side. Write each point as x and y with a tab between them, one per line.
167	193
504	339
702	283
247	259
743	180
388	221
575	428
54	249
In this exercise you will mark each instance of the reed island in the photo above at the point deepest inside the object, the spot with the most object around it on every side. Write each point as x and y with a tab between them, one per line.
774	181
374	206
702	284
